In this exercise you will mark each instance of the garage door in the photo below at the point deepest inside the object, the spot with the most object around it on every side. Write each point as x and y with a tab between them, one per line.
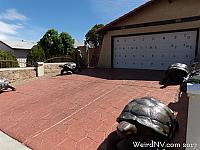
154	51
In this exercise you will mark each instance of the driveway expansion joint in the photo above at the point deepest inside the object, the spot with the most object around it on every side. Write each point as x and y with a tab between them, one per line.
70	116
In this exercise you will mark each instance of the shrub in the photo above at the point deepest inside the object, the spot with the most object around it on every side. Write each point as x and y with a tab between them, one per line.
8	60
35	55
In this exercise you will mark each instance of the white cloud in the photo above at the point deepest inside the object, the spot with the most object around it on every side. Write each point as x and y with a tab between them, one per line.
12	14
10	23
16	26
9	28
30	34
111	9
4	36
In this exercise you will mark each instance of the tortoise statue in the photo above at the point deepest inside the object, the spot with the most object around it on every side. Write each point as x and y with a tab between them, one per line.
193	78
69	68
5	84
175	73
144	120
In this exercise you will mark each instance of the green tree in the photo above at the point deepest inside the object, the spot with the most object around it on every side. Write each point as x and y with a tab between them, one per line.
8	60
35	55
93	38
51	43
55	44
67	43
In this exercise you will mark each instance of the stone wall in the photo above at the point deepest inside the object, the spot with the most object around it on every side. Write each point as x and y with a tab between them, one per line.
52	68
18	74
22	74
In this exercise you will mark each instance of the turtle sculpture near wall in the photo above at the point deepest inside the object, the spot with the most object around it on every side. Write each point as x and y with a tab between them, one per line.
192	78
175	74
5	84
144	120
69	68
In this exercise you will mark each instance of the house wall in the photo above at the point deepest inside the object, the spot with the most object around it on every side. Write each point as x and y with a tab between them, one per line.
21	55
163	10
158	11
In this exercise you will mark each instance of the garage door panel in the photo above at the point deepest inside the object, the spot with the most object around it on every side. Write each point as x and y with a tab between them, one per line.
155	51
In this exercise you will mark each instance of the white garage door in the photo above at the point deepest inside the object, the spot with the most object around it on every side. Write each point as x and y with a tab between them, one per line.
154	51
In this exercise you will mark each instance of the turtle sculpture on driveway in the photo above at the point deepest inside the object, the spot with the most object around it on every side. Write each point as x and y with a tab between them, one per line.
175	74
69	68
5	84
144	120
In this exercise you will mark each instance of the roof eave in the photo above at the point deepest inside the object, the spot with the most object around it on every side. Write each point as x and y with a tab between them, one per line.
6	44
106	27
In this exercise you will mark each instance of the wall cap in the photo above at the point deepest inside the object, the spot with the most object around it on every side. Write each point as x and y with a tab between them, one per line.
193	89
14	69
55	63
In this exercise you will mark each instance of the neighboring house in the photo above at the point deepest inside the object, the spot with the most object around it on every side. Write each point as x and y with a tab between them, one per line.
78	44
153	36
19	48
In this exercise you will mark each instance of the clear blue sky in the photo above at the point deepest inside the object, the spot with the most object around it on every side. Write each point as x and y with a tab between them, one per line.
30	19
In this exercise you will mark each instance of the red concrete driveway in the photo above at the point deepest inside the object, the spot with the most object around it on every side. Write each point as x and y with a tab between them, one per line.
78	112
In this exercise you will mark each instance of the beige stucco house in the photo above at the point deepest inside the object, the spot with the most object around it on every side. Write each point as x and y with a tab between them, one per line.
153	36
19	48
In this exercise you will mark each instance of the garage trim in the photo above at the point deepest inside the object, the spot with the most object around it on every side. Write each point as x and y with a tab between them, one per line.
148	33
156	23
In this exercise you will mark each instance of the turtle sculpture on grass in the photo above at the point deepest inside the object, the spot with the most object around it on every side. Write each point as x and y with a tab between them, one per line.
144	120
5	84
